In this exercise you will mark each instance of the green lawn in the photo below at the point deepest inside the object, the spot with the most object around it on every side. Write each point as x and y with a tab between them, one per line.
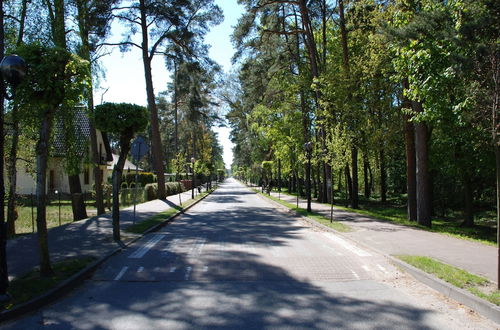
484	231
313	215
60	212
142	226
32	284
477	285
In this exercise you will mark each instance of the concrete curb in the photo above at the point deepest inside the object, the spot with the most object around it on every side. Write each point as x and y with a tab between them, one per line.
77	279
464	297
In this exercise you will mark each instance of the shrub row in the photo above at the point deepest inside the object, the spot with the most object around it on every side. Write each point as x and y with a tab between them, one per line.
172	188
142	177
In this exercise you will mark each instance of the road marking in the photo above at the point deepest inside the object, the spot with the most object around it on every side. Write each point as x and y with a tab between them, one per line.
170	246
332	249
172	269
121	273
382	269
188	272
197	246
346	245
140	252
205	269
140	269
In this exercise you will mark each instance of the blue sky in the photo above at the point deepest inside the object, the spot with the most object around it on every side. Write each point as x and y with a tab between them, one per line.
124	81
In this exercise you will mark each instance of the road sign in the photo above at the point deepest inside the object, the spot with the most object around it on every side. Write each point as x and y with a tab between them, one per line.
139	148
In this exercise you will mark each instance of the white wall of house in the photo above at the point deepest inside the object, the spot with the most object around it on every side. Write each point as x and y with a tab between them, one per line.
57	178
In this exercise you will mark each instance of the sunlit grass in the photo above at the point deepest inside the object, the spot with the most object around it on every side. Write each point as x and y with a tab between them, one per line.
393	211
33	285
144	225
313	215
477	285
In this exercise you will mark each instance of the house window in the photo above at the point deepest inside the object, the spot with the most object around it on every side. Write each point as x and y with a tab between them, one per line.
86	179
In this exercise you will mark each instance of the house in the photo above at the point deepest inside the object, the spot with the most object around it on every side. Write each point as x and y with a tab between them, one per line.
57	177
129	167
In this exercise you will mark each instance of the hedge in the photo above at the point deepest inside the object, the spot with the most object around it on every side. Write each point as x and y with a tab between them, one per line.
171	188
143	178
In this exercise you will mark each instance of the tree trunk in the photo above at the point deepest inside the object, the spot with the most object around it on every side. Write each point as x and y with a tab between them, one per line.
468	202
497	165
59	33
12	172
279	175
156	146
411	167
383	177
4	278
366	175
348	181
41	195
117	178
424	206
315	184
77	201
354	183
84	36
176	112
11	203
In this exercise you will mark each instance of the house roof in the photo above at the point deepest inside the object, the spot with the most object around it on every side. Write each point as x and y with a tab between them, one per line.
81	124
128	164
81	128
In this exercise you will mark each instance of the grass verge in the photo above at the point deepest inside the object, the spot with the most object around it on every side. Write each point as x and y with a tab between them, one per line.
33	285
312	215
144	225
476	285
451	227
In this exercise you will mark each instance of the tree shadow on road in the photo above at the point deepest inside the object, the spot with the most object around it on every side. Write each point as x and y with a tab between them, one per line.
266	297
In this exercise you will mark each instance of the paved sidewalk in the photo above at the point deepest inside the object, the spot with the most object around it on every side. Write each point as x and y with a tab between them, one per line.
394	239
89	237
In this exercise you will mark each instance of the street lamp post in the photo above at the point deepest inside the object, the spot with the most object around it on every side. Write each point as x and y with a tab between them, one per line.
194	178
13	70
308	146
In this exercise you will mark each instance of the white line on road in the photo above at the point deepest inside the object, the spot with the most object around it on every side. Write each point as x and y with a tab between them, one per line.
140	252
197	246
382	269
188	272
348	246
170	246
121	273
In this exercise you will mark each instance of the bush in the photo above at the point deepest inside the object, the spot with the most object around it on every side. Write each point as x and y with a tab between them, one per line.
150	191
124	195
171	188
142	177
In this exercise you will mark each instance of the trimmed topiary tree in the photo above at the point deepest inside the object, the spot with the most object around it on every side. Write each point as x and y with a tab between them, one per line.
126	120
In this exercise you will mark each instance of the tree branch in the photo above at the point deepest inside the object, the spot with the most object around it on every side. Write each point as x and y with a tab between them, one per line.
294	32
260	6
121	44
125	18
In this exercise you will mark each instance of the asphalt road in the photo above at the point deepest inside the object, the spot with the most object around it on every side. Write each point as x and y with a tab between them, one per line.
235	261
